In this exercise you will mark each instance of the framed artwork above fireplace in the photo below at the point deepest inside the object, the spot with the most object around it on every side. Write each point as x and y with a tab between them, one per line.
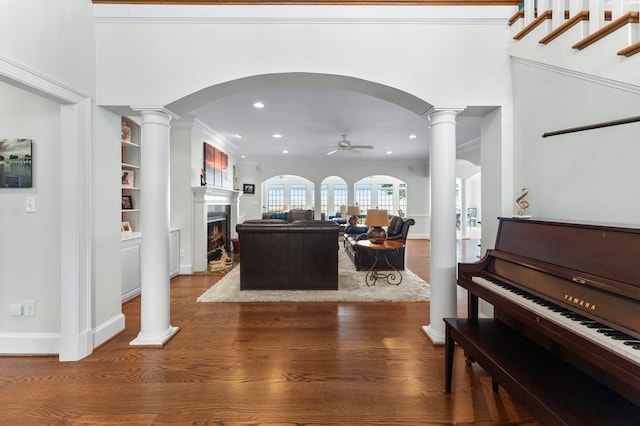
216	166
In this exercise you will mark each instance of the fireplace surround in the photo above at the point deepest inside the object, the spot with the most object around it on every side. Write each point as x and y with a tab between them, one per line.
211	206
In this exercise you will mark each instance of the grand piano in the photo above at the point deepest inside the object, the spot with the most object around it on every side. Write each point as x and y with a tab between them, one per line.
572	290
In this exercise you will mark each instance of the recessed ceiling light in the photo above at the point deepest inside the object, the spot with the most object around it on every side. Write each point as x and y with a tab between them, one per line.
389	152
285	151
243	156
258	105
237	136
412	136
277	135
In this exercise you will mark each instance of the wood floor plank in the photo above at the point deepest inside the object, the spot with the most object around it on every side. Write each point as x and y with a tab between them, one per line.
261	363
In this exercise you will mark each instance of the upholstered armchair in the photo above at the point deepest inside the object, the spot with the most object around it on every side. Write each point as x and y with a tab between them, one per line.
399	228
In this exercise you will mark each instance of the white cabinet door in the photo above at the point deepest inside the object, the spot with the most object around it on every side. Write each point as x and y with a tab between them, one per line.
130	268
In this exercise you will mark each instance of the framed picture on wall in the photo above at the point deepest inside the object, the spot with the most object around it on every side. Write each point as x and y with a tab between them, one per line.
249	188
209	158
217	167
15	163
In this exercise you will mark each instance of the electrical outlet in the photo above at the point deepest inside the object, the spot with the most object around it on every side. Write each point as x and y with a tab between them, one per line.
30	308
181	253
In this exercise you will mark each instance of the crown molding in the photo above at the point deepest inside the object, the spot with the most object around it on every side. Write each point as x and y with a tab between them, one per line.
306	14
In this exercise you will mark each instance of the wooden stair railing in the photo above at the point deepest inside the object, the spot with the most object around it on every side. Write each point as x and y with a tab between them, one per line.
583	15
516	17
627	18
630	50
533	25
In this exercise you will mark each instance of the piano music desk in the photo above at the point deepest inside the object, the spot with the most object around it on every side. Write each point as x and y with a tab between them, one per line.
553	391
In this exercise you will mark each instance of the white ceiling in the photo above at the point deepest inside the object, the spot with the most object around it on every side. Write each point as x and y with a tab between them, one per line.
311	120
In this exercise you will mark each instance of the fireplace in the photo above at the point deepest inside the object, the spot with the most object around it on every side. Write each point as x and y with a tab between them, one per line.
215	215
218	240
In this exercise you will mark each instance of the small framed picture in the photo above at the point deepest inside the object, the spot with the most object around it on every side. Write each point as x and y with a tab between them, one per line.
127	178
126	202
126	228
248	188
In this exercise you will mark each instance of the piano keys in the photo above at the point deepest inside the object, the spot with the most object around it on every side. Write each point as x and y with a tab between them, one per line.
572	288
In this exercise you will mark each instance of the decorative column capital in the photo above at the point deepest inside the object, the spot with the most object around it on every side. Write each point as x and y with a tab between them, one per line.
440	114
161	112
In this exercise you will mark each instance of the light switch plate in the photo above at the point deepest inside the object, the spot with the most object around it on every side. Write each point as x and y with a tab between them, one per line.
30	204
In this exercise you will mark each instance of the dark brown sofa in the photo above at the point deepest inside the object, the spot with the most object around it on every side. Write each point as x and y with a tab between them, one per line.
363	259
277	255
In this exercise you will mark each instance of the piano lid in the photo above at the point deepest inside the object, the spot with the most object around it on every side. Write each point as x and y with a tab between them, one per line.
592	252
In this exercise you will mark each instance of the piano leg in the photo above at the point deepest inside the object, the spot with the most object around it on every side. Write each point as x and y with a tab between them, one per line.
449	349
494	385
472	306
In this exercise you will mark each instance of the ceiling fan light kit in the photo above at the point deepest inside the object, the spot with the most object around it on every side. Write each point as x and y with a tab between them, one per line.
345	145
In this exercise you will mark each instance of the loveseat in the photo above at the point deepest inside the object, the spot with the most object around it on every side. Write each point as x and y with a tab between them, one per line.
278	255
364	259
290	216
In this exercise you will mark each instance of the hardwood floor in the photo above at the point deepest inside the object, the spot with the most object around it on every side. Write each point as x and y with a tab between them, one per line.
271	363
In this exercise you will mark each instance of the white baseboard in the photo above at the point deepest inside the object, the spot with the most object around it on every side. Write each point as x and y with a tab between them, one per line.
108	329
186	269
29	343
419	236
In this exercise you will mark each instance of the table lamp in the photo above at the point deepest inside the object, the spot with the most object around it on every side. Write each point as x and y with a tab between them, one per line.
376	219
285	208
354	211
343	210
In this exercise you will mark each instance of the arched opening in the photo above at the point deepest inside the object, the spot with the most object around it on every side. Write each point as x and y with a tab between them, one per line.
283	193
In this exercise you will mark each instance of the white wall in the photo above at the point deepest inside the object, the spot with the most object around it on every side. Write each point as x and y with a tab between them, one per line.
583	176
105	176
430	61
54	38
30	249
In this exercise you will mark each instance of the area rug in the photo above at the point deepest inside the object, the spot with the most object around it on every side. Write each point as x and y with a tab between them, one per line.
351	288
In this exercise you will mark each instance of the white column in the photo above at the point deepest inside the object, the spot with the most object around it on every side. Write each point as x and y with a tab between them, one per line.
464	224
442	263
155	327
317	201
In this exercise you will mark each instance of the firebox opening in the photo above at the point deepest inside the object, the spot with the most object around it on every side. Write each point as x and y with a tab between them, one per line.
218	241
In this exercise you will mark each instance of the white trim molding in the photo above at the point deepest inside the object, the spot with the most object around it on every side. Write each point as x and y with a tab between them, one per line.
29	343
75	338
305	14
108	329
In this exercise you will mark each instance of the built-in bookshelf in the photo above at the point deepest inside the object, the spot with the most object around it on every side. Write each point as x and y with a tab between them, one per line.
130	178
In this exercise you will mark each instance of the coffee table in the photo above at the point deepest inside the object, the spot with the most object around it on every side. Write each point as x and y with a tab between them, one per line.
380	251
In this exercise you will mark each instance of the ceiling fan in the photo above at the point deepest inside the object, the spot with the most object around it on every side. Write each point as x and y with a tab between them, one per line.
345	145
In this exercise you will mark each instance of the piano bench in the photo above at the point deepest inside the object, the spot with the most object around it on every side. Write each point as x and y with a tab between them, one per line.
553	391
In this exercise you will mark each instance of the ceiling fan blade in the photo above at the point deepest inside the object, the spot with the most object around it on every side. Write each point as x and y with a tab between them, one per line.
362	146
332	152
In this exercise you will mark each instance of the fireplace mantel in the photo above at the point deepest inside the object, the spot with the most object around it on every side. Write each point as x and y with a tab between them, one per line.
204	196
214	195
